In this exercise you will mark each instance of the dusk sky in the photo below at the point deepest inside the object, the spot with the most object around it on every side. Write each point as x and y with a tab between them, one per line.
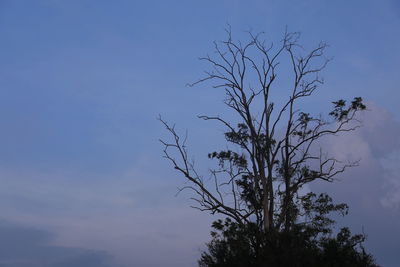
83	181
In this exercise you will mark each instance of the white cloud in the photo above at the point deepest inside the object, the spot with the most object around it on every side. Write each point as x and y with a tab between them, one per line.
372	189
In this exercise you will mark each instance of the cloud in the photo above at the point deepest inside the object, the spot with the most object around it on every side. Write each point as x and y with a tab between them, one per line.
372	189
132	215
22	246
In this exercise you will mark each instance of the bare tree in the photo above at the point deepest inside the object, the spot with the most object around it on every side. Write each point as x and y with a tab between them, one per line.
277	146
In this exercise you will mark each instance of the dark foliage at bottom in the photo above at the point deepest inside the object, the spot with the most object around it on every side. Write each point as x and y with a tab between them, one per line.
235	245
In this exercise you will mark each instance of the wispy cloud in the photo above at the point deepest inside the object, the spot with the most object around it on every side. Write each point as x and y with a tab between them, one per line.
22	246
372	189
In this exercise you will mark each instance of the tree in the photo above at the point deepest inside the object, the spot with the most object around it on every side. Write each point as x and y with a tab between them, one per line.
275	150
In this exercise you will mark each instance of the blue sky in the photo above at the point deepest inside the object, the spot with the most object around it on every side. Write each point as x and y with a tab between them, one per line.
81	86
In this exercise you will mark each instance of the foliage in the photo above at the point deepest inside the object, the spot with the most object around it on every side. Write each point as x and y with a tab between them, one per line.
273	152
309	243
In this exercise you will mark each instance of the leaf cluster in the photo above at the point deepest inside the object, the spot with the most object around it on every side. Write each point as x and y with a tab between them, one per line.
309	243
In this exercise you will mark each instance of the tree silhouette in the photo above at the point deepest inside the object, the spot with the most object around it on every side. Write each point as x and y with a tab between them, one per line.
275	150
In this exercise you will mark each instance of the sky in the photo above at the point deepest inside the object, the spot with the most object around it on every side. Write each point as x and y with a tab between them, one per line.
83	181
